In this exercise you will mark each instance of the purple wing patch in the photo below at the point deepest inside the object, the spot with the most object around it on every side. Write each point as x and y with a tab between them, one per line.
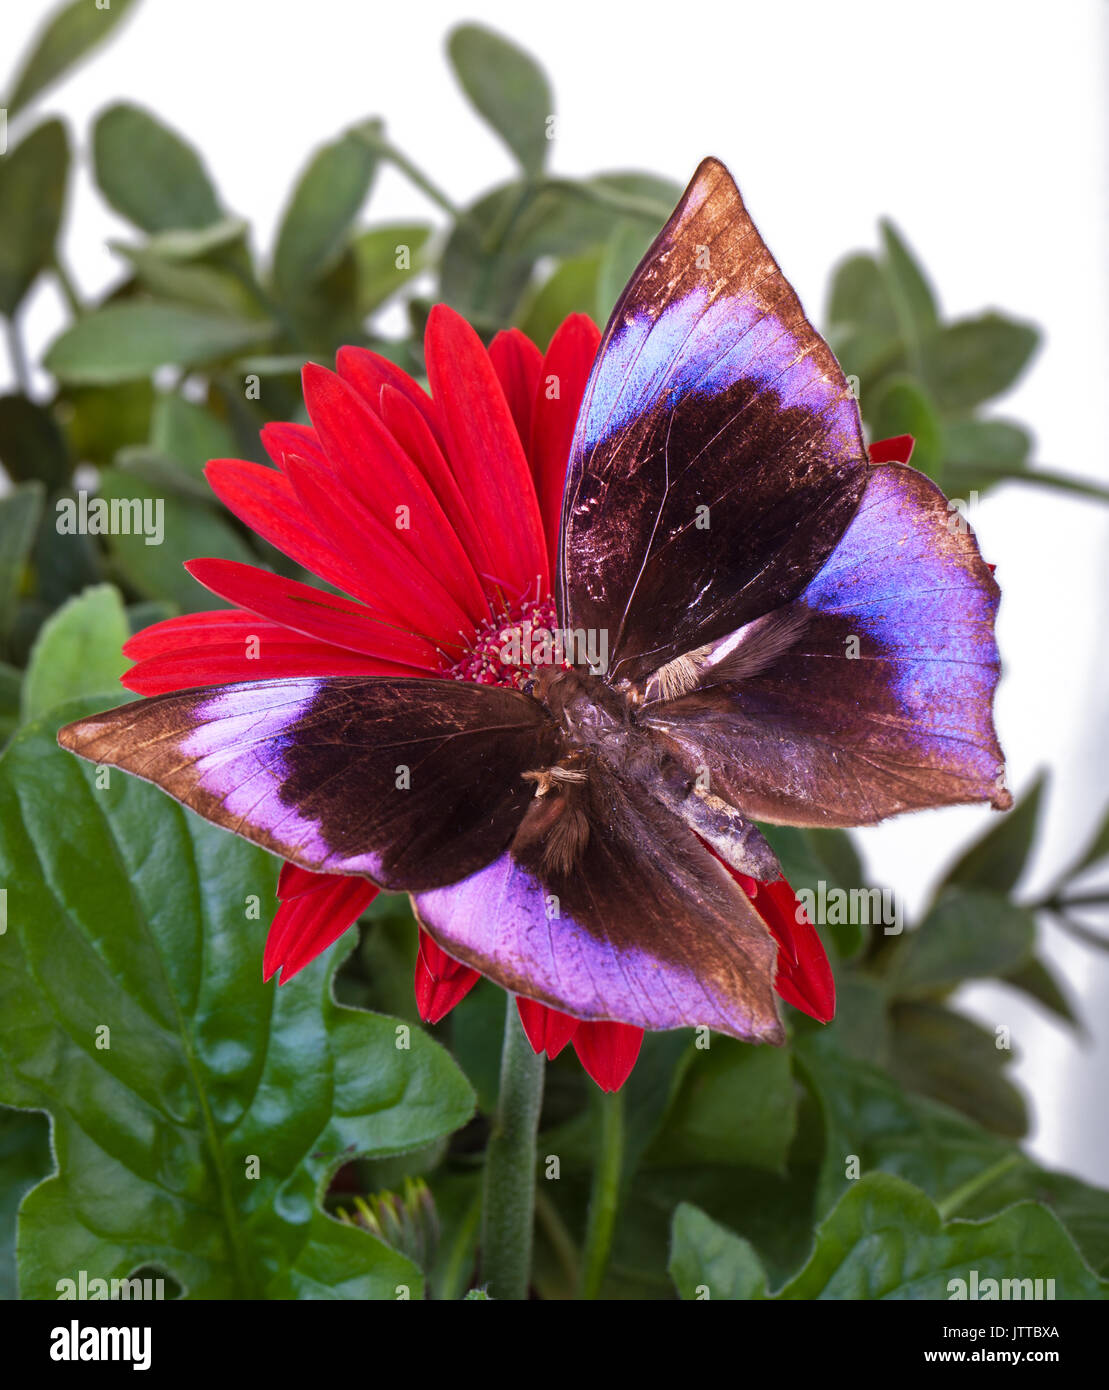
410	782
648	928
718	455
883	701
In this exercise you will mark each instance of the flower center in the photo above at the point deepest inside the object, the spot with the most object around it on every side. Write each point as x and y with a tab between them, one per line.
505	648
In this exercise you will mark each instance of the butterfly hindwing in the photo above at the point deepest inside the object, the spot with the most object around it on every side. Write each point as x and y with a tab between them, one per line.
718	454
882	701
410	782
647	927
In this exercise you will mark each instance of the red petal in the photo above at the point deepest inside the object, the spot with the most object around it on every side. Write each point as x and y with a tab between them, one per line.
547	1030
898	449
404	591
282	654
485	451
370	462
804	976
214	625
264	499
415	437
566	367
516	361
280	439
313	613
608	1051
368	372
293	881
441	981
308	924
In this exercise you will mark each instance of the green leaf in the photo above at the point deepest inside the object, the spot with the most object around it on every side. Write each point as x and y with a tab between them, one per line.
24	1161
1097	850
1035	979
480	275
124	341
187	529
188	434
968	934
149	174
886	1240
77	651
707	1261
379	256
996	860
31	444
910	293
981	453
942	1054
508	88
860	296
100	420
32	195
571	289
19	516
198	1132
870	1119
624	250
11	694
326	200
900	405
65	39
736	1104
970	361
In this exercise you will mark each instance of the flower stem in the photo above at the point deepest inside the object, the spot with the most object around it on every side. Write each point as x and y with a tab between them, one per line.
508	1214
605	1196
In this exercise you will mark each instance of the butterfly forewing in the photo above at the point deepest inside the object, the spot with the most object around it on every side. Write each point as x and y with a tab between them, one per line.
718	455
413	783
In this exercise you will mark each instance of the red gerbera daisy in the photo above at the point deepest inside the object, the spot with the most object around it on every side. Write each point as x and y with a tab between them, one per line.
434	587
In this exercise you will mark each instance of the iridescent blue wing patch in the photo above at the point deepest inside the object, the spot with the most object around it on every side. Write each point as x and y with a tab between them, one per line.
718	454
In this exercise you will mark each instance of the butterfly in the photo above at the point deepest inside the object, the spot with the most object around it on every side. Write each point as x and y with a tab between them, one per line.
759	623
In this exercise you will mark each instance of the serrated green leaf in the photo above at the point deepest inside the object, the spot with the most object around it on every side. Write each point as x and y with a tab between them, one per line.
707	1261
969	933
24	1161
188	529
886	1240
32	194
77	651
67	37
31	443
122	342
872	1124
19	517
149	174
327	197
508	88
201	1136
997	859
972	360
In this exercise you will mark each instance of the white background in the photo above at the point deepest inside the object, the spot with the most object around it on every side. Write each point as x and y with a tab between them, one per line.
978	125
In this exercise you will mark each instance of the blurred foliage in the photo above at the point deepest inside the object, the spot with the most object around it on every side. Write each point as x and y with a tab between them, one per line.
733	1155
